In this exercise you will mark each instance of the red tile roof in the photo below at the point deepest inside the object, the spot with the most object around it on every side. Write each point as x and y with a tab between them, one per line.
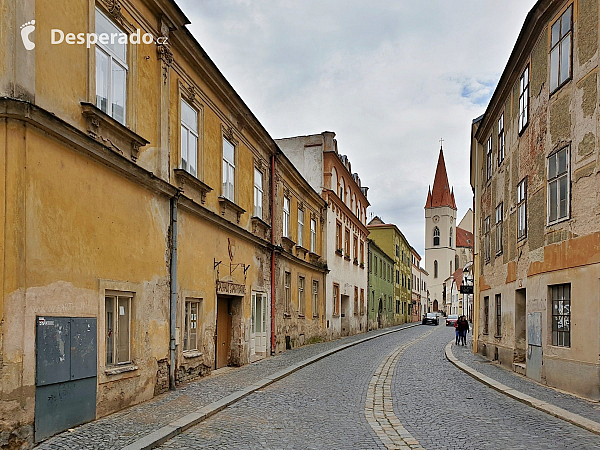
442	194
458	278
464	238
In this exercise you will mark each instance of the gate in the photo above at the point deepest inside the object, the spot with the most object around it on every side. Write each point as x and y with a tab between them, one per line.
66	367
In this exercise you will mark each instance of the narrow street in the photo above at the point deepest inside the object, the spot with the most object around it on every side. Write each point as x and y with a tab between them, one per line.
435	406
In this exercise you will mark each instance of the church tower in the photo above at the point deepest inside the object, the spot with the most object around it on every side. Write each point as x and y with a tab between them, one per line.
440	234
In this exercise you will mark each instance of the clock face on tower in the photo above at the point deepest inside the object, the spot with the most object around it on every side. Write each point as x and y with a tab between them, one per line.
436	219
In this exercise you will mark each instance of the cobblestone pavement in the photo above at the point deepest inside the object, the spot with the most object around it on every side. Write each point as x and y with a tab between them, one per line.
443	407
577	405
318	407
131	424
321	406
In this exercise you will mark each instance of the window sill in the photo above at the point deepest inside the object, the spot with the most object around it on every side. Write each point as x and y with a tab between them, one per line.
347	258
315	316
524	127
258	221
558	221
335	315
339	253
189	354
183	177
228	204
111	133
116	370
497	336
260	228
301	316
287	316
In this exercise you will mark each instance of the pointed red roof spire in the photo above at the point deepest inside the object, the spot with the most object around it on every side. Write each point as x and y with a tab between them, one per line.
428	197
442	194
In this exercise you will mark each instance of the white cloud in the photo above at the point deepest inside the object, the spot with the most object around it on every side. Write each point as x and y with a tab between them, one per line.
389	77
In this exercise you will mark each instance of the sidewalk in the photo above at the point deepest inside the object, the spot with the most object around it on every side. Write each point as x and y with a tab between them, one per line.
156	417
568	407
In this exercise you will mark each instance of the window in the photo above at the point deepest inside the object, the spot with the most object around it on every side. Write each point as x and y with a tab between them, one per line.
111	70
313	235
501	139
488	173
118	327
355	248
435	269
336	299
228	170
258	193
301	298
560	52
486	243
355	301
522	209
486	315
456	263
499	214
498	315
451	271
347	243
287	286
286	217
436	236
375	265
561	315
315	298
190	327
450	239
397	251
380	268
362	252
362	302
524	99
300	226
342	189
338	236
558	186
397	277
189	138
397	306
372	300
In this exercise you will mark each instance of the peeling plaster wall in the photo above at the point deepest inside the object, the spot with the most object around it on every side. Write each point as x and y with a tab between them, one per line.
564	252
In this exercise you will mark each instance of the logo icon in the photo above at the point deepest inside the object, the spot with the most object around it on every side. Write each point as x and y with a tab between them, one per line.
26	29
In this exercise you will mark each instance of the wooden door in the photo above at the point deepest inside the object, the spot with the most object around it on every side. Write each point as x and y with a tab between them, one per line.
223	333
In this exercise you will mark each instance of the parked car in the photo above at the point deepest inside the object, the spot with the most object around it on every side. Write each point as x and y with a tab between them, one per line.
431	318
451	319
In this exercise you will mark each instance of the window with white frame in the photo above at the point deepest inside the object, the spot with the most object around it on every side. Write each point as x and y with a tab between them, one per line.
111	70
522	209
189	138
488	173
313	235
524	99
190	326
499	213
258	193
560	50
486	230
228	170
118	327
315	298
501	139
286	217
300	226
558	186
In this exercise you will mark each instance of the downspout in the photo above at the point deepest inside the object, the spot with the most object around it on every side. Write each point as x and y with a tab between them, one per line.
272	201
173	305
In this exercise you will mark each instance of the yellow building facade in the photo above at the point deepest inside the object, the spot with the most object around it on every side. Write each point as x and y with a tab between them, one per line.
137	207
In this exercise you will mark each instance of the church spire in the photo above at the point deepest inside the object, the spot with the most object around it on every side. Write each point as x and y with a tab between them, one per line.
442	194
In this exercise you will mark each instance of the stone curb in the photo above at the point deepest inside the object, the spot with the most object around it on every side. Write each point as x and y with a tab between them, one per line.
178	426
540	405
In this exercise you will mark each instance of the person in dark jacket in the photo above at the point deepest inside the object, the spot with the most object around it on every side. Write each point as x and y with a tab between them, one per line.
463	328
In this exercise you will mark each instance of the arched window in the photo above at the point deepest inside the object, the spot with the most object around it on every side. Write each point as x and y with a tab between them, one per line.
342	189
334	181
450	240
451	272
435	269
456	261
436	236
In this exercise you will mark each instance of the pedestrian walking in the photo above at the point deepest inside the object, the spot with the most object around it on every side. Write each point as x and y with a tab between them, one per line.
457	332
463	328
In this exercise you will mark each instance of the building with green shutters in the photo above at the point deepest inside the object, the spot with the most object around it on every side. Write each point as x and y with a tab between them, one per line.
381	301
390	240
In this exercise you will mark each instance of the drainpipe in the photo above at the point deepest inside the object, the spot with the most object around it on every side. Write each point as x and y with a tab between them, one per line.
173	306
272	254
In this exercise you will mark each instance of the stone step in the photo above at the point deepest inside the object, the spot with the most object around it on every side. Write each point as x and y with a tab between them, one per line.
520	368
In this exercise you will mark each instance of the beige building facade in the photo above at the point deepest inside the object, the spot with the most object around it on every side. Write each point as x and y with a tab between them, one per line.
535	177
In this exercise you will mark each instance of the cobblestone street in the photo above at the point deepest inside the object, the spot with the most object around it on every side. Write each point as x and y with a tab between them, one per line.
437	405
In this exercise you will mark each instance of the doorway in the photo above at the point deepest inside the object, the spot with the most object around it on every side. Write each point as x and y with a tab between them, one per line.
435	306
345	315
223	333
258	331
520	325
379	314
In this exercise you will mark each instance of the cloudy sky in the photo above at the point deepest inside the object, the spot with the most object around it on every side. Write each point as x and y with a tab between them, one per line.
389	77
